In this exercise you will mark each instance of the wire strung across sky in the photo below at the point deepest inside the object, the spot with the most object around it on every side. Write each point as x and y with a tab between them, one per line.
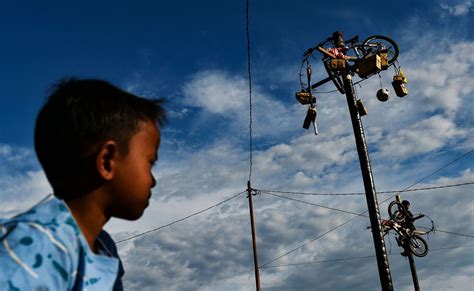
314	204
309	241
361	214
318	237
357	214
449	232
439	169
363	193
235	196
181	219
340	210
354	258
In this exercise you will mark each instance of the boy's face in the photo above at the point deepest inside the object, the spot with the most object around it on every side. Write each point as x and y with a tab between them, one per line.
133	178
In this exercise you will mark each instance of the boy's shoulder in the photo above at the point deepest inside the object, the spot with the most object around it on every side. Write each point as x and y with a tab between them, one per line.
51	214
44	247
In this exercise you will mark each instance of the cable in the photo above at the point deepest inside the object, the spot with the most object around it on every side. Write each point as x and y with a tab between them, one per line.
363	193
450	248
181	219
359	214
250	93
353	218
318	237
325	92
353	258
449	232
438	170
318	262
455	233
314	204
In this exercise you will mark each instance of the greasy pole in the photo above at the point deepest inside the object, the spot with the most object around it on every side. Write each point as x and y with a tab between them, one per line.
372	204
254	241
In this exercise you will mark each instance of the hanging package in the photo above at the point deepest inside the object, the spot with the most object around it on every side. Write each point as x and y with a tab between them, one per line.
399	81
305	98
400	88
337	64
310	117
370	65
362	110
384	61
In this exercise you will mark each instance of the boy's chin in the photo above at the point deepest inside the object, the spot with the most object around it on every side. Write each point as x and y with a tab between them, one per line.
132	215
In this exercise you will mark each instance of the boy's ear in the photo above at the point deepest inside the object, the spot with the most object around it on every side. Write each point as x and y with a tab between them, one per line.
107	160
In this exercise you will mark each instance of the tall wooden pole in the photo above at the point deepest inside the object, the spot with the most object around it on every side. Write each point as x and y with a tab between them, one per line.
254	241
414	275
369	185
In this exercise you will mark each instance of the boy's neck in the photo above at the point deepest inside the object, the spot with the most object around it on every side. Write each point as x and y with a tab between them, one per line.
90	216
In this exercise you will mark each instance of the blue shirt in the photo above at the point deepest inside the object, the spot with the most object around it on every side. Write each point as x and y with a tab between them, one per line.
43	248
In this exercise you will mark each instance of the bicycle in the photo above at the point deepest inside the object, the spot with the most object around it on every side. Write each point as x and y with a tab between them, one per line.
407	238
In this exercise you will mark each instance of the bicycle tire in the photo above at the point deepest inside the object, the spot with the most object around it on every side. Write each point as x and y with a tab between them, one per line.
393	50
396	211
418	246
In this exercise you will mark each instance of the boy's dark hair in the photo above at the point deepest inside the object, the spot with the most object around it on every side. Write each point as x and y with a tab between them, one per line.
80	114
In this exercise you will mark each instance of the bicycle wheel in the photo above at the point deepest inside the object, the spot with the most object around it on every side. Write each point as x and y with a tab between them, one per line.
396	211
418	246
380	42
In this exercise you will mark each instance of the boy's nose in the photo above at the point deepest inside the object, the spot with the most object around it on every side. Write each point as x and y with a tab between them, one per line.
153	181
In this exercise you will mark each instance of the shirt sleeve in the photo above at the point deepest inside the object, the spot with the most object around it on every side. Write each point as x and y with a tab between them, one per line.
33	258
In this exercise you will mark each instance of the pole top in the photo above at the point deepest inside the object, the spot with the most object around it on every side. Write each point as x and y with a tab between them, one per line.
338	39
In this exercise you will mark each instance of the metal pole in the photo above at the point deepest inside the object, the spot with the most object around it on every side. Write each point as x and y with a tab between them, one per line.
374	213
414	275
254	241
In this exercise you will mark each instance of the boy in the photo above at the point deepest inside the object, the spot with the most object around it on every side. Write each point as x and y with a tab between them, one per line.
408	223
97	145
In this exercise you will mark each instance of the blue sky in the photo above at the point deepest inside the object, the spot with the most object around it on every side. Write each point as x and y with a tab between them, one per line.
193	53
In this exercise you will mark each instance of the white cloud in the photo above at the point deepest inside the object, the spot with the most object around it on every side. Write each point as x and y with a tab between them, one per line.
181	113
20	192
422	137
460	9
226	95
217	92
442	80
22	184
9	153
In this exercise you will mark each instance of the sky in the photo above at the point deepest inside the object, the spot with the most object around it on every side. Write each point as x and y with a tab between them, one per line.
194	54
